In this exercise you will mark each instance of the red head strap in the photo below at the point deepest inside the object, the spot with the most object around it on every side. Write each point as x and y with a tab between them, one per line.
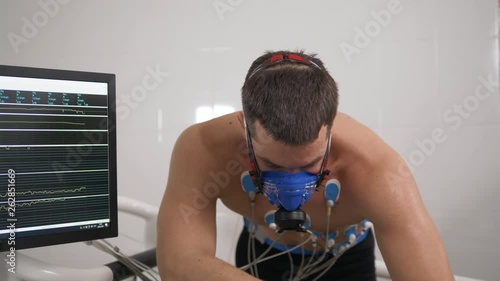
287	57
282	58
277	57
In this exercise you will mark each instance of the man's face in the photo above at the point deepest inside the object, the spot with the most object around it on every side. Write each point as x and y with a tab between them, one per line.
274	155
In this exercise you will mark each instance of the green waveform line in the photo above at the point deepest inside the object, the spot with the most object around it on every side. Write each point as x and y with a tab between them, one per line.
33	203
46	191
44	108
44	122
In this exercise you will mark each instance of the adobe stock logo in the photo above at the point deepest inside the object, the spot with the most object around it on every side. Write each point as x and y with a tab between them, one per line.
40	19
211	190
363	38
124	106
225	6
453	117
150	82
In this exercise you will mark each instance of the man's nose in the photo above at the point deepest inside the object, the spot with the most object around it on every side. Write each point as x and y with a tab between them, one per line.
293	171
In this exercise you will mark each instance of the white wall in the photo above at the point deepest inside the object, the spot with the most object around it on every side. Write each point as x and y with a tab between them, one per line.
401	83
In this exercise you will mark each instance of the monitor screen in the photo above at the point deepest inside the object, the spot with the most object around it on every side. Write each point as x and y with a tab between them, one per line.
57	157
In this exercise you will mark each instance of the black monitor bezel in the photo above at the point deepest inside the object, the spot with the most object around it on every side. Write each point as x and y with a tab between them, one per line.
84	234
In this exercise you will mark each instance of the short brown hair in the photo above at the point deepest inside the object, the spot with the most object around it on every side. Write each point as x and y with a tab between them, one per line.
291	100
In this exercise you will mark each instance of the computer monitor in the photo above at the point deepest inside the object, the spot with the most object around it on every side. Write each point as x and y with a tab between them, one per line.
57	157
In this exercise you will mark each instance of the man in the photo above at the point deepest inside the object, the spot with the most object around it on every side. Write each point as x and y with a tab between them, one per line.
290	130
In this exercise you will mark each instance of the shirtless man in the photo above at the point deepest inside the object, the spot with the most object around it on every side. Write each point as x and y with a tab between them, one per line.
354	180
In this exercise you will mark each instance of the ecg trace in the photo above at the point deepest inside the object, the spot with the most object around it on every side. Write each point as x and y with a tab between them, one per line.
43	122
33	203
33	192
63	110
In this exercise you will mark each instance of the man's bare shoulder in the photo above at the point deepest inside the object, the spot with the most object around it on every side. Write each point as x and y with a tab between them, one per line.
359	143
214	140
373	166
212	132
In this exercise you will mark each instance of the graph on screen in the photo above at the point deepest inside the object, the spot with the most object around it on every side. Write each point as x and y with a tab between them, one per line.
54	137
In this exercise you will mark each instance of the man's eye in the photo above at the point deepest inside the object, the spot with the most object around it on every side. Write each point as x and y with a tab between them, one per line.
273	166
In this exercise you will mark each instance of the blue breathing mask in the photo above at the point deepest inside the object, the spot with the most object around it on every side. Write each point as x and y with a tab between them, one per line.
287	190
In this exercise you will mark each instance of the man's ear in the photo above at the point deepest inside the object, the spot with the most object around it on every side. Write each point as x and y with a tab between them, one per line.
241	119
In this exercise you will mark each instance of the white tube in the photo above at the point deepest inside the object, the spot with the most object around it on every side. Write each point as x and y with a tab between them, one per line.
143	210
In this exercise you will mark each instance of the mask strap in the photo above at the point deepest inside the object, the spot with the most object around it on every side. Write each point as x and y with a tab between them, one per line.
255	172
324	172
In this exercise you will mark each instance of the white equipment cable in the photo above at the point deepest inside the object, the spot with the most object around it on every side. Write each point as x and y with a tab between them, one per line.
138	268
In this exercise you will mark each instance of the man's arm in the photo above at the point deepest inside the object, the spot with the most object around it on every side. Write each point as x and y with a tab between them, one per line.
186	225
406	235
